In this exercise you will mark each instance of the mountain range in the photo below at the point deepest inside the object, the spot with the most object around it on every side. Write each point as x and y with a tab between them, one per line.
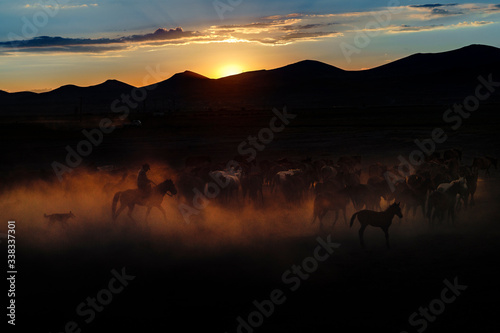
419	79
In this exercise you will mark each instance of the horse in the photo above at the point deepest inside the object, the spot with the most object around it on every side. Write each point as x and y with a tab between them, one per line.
471	177
409	198
187	183
251	184
484	163
363	195
443	187
326	201
444	199
130	198
229	182
377	219
292	185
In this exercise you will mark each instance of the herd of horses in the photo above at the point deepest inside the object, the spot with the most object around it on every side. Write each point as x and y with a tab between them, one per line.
439	187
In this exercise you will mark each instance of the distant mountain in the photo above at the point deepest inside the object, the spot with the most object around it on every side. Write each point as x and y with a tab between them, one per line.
466	58
67	99
419	79
188	75
101	91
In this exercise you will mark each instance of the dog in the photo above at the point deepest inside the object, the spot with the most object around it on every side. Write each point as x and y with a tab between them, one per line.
61	218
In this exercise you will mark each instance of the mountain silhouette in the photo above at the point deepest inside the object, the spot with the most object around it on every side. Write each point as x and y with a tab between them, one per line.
419	79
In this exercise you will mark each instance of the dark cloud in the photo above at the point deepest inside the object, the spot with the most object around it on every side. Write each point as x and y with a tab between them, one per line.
307	26
252	25
46	41
285	17
409	28
433	5
492	9
305	35
437	9
72	49
160	34
444	12
51	44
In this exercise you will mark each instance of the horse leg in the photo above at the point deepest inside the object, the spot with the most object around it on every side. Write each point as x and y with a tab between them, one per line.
122	207
147	214
163	212
130	210
451	214
360	233
345	217
314	217
336	218
432	215
458	205
386	231
321	215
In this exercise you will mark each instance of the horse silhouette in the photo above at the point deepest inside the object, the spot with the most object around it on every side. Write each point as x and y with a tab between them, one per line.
484	163
130	198
471	176
326	201
444	200
377	219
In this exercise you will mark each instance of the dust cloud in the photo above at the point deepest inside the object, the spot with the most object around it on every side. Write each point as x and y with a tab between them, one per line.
88	195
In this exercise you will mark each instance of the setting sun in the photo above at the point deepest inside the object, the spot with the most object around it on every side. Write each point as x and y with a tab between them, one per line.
229	70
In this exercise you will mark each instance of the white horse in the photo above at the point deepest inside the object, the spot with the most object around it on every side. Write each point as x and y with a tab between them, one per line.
443	187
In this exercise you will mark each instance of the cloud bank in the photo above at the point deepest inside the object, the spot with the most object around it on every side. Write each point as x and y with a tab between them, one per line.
275	30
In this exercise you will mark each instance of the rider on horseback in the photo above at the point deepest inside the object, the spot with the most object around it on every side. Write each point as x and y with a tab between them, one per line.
143	182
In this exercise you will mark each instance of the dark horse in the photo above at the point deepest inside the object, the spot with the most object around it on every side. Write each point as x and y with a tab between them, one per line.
484	163
377	219
130	198
326	201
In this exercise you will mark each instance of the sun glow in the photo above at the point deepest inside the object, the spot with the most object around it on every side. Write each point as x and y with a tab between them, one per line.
229	70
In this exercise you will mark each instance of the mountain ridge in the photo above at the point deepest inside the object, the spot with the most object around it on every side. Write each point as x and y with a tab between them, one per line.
421	78
302	65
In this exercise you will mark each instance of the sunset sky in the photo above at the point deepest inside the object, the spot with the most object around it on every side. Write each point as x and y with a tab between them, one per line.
47	44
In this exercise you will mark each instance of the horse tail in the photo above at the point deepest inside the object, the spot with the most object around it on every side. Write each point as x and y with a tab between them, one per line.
115	202
352	219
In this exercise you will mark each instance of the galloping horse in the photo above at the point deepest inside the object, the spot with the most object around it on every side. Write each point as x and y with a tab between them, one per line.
130	198
377	219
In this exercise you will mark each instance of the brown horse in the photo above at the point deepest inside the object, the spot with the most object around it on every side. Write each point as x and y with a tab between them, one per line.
130	198
326	201
377	219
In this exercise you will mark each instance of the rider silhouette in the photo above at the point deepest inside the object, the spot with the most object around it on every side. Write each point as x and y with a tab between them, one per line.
143	182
